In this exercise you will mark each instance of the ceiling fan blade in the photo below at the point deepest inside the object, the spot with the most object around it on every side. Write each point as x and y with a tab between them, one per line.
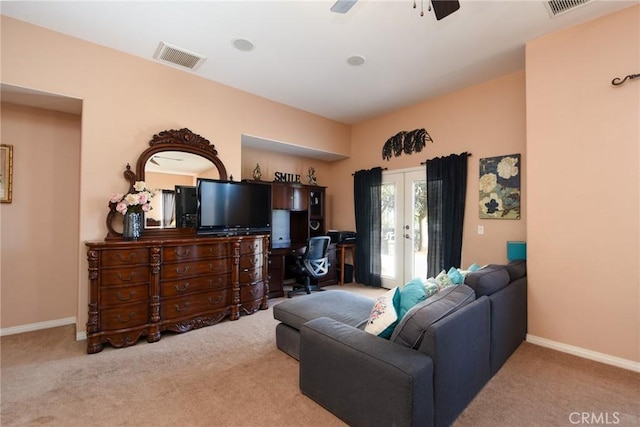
444	8
343	6
169	158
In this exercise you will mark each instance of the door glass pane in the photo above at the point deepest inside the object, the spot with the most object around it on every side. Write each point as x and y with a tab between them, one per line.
388	222
420	228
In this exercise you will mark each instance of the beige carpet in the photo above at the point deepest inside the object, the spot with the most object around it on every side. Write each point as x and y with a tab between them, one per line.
231	374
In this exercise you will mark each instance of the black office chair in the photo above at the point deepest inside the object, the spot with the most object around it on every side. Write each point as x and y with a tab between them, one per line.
313	264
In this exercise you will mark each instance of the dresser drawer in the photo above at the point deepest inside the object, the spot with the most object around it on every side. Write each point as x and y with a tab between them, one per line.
123	294
251	261
195	284
124	276
117	257
194	252
250	275
251	292
253	246
190	305
195	268
125	316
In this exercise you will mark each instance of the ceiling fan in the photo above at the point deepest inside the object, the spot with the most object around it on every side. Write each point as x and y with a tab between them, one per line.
441	8
155	162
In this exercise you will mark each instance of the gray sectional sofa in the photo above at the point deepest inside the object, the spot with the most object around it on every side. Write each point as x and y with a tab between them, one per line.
440	355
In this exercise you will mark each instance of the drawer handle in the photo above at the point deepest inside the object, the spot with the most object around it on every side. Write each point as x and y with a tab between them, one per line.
214	267
214	249
215	285
254	261
215	301
183	271
131	316
131	295
182	254
184	288
128	278
186	304
254	292
125	259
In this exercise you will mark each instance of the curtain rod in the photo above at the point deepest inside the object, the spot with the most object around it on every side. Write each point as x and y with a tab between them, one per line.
384	169
425	162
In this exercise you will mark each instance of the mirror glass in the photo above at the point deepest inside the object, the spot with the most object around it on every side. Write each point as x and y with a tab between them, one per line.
173	175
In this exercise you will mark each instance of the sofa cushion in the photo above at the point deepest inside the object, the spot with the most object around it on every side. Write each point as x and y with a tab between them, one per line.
384	314
517	269
414	324
488	279
346	307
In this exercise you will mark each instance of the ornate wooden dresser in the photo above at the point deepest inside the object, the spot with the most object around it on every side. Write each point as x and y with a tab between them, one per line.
142	288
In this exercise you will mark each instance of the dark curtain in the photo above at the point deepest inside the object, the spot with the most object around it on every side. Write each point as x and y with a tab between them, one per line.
446	192
367	185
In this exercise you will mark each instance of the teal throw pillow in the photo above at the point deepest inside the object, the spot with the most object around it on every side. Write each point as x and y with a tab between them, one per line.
455	276
474	267
384	314
411	294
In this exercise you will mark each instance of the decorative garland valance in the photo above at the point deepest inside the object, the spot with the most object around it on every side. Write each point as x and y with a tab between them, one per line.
405	141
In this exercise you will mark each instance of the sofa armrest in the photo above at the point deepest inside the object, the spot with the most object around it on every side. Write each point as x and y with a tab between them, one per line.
459	346
363	379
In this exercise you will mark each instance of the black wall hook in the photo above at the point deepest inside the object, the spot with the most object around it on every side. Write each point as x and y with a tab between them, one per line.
617	81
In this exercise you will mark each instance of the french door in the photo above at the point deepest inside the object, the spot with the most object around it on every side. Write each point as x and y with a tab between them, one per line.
404	226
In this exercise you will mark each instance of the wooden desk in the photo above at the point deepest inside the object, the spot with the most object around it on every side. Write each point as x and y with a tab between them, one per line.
342	248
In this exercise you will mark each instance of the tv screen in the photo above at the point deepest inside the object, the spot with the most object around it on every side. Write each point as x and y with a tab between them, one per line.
229	207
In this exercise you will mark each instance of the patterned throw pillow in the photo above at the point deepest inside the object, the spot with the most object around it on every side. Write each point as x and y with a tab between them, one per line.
443	279
430	287
384	314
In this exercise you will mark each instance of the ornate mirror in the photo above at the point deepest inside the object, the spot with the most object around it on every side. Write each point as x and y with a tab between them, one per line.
171	166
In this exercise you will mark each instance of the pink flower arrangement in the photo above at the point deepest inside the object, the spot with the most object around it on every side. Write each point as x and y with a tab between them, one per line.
137	201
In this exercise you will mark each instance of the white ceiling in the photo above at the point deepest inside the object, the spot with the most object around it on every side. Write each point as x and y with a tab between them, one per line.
301	48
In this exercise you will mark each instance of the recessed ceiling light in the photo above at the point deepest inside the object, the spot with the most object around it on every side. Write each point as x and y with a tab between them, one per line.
356	60
242	44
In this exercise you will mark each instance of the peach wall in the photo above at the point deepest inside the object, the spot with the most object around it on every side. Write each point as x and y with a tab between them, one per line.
39	229
128	99
167	181
272	162
584	186
486	120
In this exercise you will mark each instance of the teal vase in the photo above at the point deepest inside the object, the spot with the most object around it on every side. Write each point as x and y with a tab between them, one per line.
132	226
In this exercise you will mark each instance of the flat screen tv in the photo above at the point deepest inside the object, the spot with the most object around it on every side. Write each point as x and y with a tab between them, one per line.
232	207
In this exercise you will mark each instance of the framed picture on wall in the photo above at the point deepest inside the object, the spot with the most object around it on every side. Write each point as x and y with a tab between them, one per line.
6	173
500	187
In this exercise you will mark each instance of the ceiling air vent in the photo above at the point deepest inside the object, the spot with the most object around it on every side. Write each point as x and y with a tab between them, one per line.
557	7
178	56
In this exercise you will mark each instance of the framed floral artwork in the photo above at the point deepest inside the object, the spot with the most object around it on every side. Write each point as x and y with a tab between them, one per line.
6	173
500	187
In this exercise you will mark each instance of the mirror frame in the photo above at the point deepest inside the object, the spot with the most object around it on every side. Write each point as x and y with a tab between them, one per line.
168	140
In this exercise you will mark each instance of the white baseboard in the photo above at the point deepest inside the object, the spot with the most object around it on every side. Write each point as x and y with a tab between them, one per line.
37	326
587	354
